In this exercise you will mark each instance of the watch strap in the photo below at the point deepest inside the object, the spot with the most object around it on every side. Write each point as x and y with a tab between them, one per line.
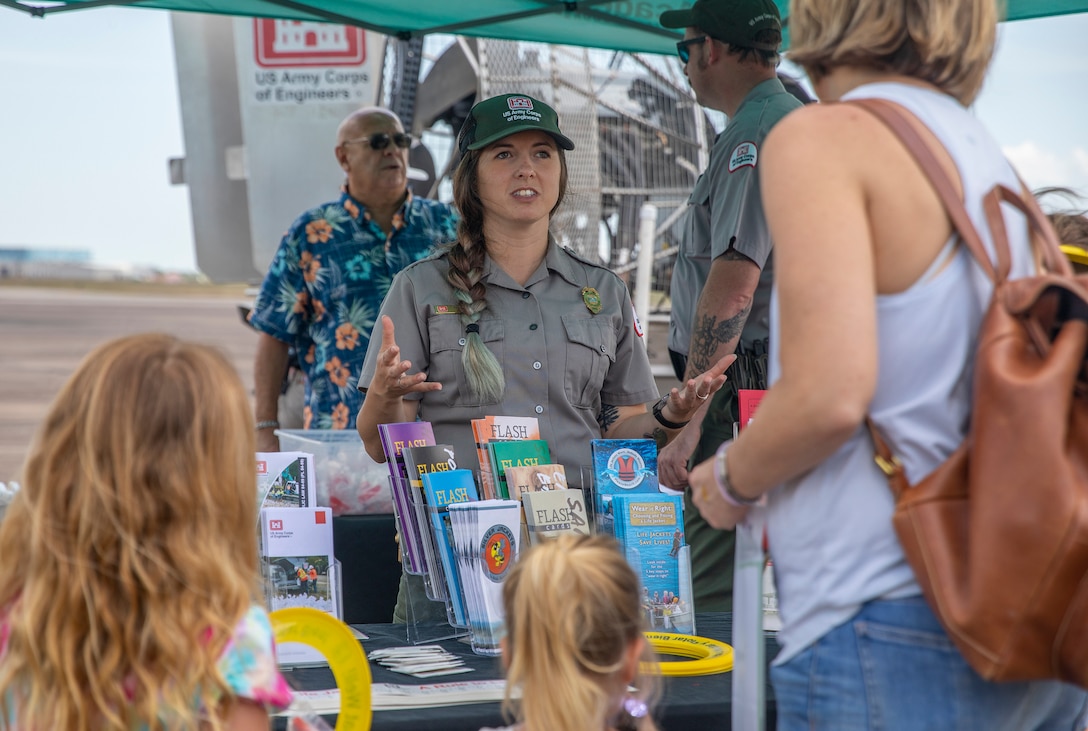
659	407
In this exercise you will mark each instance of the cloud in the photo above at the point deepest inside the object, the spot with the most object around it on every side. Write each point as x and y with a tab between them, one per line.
1041	167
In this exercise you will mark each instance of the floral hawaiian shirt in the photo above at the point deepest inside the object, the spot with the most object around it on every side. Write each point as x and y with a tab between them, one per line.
325	286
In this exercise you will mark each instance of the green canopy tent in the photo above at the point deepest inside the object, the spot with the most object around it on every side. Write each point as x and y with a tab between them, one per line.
623	25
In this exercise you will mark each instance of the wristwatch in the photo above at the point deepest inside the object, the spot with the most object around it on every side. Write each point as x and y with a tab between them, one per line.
725	487
659	407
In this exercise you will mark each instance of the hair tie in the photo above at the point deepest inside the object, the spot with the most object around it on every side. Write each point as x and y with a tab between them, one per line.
472	328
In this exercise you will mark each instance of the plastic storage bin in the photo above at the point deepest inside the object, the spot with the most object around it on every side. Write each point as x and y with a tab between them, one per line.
348	480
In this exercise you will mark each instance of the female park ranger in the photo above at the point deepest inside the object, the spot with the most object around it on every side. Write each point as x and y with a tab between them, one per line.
505	321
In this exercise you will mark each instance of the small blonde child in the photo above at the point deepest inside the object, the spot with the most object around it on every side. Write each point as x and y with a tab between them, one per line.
574	642
129	589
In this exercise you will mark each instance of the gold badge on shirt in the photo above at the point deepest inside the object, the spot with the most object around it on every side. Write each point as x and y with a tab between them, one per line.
592	298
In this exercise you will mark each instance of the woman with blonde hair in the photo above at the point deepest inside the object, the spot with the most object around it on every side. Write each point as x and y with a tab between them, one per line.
875	311
129	589
574	642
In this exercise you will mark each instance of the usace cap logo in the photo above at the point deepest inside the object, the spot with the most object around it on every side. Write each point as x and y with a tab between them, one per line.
519	102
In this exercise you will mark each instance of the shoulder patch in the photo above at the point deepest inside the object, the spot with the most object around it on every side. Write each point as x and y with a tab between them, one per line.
743	155
638	325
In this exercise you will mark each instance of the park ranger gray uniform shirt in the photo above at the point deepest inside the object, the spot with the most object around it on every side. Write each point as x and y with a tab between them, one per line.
560	360
726	210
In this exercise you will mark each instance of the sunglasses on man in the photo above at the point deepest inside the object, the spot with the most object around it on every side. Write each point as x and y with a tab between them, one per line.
381	140
683	48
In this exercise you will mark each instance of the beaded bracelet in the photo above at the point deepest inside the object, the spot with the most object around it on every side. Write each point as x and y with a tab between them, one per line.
725	487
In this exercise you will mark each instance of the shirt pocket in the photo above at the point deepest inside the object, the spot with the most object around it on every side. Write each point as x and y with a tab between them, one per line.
447	343
591	351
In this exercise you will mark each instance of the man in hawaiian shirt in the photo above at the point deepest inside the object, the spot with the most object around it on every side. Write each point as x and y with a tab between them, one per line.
331	272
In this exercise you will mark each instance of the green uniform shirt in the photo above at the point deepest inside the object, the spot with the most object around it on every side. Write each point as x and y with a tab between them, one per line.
560	360
725	210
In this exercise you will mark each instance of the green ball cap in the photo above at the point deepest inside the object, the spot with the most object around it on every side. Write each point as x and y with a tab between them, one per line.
505	115
732	21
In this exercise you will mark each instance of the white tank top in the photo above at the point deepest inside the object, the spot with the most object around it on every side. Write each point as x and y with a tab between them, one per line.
830	531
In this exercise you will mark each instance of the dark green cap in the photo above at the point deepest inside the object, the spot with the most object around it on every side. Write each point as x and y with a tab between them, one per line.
733	21
507	114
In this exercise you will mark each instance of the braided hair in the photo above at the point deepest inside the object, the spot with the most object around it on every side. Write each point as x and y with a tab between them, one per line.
466	258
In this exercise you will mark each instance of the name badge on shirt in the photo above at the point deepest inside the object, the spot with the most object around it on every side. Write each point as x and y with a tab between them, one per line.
445	310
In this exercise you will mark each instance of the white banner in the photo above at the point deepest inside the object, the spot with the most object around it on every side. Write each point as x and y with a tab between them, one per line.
297	80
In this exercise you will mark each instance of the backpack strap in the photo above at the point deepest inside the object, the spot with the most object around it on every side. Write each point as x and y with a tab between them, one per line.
1044	238
896	118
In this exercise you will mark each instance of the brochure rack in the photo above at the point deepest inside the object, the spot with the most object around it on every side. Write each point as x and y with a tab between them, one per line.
429	613
277	596
407	528
437	582
417	537
423	624
662	616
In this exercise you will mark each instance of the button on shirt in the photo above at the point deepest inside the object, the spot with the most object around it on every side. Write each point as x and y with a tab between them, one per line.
325	285
560	360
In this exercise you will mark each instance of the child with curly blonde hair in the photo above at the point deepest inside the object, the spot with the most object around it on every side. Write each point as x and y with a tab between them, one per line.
129	589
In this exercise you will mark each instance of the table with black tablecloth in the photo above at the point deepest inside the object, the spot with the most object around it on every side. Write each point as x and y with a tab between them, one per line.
702	702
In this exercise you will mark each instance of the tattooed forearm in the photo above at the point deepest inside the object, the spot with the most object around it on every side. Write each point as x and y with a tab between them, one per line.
607	417
708	334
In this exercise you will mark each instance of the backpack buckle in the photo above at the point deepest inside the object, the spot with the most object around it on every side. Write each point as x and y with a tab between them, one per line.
889	466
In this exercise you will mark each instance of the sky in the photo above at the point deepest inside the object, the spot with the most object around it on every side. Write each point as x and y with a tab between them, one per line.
89	116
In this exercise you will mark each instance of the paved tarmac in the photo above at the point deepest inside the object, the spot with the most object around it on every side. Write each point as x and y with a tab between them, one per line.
45	333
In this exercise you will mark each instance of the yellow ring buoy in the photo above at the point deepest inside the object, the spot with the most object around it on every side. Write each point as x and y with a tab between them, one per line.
710	656
332	638
1075	254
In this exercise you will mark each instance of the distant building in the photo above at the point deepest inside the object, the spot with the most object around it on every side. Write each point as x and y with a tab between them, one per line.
26	263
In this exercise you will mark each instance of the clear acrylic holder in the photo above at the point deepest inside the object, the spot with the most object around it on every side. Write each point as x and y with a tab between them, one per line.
433	580
670	616
482	598
275	599
439	589
413	559
427	620
662	618
602	522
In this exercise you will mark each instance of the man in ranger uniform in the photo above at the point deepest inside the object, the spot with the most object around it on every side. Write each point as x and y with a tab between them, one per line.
722	279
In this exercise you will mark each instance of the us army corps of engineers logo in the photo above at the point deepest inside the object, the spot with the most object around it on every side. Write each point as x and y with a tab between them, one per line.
497	548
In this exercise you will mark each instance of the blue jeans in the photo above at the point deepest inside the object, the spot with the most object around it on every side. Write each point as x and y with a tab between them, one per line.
893	668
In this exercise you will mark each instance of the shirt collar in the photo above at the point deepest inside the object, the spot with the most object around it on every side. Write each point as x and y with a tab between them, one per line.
762	90
562	263
358	211
556	259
